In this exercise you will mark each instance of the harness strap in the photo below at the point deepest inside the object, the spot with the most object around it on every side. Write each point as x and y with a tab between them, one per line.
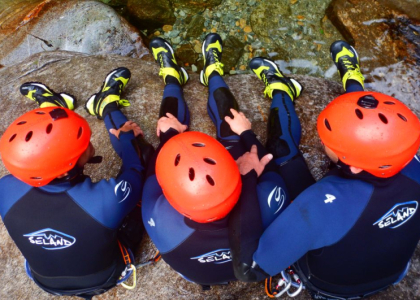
129	270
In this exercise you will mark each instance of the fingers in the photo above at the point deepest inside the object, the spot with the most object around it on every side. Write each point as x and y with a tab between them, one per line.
254	150
266	159
114	132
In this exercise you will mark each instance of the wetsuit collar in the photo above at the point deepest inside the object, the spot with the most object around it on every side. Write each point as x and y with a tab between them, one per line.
343	170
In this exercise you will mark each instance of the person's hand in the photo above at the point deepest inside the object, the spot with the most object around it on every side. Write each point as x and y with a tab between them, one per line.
128	126
164	123
249	161
239	123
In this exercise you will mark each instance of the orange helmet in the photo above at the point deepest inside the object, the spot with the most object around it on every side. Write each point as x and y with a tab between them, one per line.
370	131
43	144
198	176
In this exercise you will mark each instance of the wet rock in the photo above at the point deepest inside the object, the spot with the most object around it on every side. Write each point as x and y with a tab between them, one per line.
146	14
409	7
91	27
115	3
232	52
82	75
269	10
195	27
194	6
379	33
186	55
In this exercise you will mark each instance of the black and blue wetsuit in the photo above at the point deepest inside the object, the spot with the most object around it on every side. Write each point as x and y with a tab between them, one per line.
67	231
201	252
350	235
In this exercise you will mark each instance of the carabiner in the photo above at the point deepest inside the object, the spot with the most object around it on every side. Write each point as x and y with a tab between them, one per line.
130	287
284	280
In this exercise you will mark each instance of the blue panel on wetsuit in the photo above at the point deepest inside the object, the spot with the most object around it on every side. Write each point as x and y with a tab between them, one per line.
99	201
320	216
11	190
412	170
165	226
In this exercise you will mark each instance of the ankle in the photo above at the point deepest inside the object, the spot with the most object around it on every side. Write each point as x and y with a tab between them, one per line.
171	80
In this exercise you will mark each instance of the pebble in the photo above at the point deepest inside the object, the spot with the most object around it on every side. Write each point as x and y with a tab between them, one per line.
242	67
182	13
242	23
197	48
248	29
157	33
167	28
194	68
214	30
173	33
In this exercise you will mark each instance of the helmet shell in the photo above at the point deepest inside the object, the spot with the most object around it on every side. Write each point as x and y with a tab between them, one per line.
198	176
44	144
370	131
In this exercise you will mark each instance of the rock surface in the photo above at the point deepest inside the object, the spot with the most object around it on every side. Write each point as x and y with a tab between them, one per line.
82	75
146	14
90	27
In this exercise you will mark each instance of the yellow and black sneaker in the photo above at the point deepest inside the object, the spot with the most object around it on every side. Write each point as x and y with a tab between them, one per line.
212	54
164	56
110	92
347	61
273	78
46	97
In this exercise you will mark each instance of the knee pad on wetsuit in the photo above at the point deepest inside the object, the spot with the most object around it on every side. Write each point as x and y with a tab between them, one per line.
225	101
169	105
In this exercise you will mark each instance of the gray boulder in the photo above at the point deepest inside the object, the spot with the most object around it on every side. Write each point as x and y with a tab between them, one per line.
82	75
83	26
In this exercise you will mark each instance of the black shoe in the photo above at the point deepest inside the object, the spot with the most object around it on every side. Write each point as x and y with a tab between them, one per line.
110	92
212	53
46	97
164	56
273	78
346	59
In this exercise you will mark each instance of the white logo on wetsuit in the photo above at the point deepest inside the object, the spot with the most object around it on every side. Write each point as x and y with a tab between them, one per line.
151	222
50	239
330	198
217	257
397	215
279	196
122	190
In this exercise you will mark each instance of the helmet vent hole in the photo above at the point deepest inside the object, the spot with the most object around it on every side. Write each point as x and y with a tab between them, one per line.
327	124
402	117
191	174
383	118
12	137
385	167
36	178
49	128
389	102
21	123
177	159
28	136
40	113
210	180
359	114
210	161
199	145
79	133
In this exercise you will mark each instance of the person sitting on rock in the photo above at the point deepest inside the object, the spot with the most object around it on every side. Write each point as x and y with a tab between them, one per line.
69	229
351	234
193	182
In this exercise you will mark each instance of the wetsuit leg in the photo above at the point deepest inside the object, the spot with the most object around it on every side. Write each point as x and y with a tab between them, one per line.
353	86
219	103
283	138
173	102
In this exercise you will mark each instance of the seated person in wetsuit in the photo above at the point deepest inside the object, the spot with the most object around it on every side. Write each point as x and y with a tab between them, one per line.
66	226
188	197
351	234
